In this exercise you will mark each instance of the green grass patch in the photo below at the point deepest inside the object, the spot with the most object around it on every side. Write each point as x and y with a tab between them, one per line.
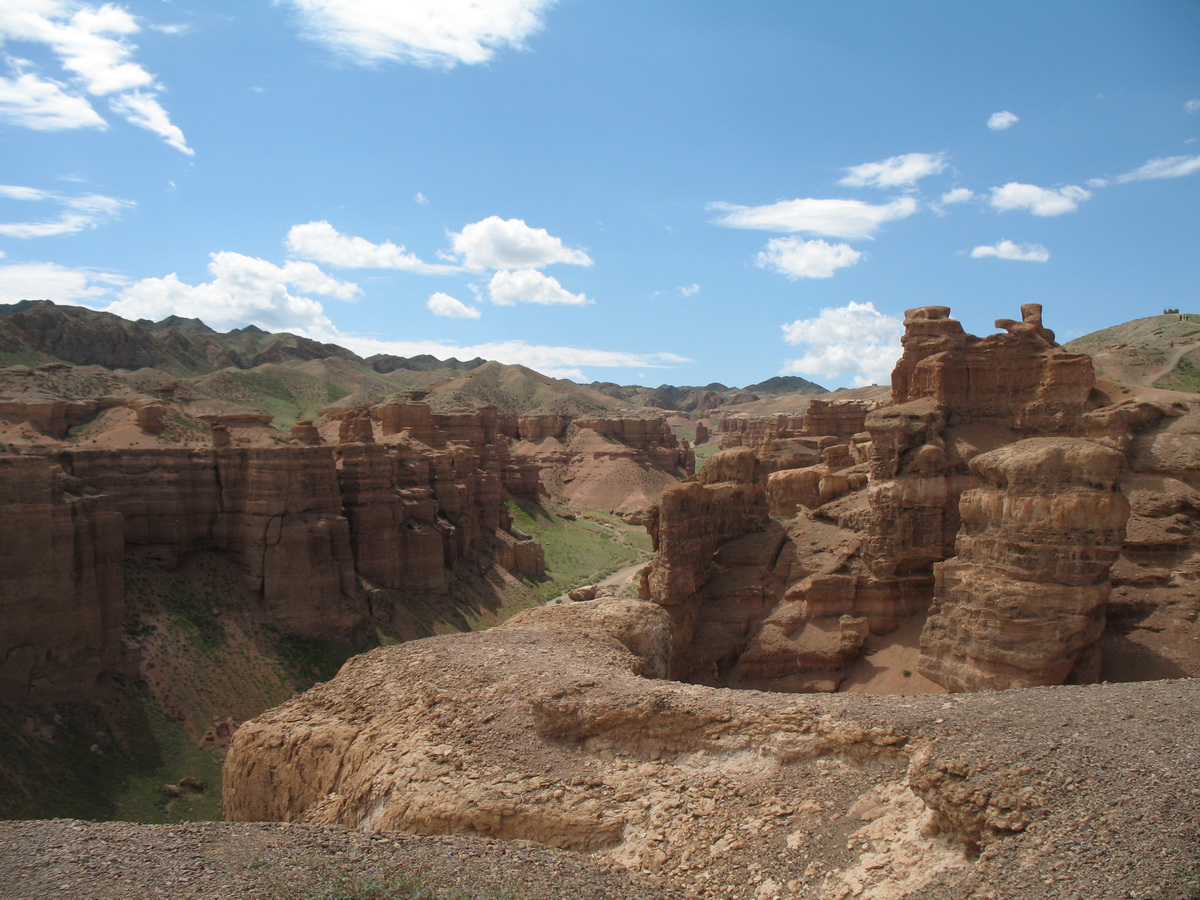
74	762
583	551
1184	377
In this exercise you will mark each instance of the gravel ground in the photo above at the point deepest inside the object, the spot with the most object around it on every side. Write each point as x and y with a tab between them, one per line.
71	860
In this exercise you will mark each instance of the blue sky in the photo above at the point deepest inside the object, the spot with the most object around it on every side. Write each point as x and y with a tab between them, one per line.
672	191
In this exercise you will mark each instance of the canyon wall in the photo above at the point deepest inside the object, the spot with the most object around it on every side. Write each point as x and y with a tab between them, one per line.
862	529
311	529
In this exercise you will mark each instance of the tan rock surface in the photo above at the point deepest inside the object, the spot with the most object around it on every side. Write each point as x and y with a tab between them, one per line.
546	729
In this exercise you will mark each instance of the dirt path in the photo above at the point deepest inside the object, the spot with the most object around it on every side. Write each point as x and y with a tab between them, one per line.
1172	360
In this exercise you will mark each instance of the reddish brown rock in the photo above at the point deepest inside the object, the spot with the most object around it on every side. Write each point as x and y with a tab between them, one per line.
61	583
1023	601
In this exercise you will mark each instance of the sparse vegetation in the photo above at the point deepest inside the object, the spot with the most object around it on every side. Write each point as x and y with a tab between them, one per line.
587	549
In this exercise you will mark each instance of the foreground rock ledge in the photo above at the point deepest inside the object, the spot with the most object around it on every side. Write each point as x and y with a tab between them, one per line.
552	729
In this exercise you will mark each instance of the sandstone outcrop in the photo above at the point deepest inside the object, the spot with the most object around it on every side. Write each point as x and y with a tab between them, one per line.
875	516
61	592
1023	601
553	728
327	537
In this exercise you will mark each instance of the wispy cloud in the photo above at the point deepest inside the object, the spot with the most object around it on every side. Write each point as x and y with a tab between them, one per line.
1165	167
431	33
77	213
1191	107
830	218
441	304
895	171
323	243
998	121
798	258
690	290
855	341
957	195
29	101
495	243
50	281
1038	200
1010	250
92	47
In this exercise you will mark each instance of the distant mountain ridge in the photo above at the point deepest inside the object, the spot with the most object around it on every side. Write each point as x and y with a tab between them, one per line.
37	332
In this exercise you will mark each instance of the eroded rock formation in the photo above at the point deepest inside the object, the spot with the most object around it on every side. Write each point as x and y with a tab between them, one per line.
874	515
1023	601
552	728
327	538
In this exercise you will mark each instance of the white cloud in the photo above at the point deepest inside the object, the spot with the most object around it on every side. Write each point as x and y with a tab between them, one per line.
420	199
444	305
1038	200
543	358
690	290
831	218
958	195
322	242
1009	250
798	258
29	101
243	290
855	340
440	33
144	110
1165	167
495	243
77	213
1191	106
531	286
998	121
895	171
91	45
50	281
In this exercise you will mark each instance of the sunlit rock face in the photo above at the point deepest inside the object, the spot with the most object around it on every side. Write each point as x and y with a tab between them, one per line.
1022	603
782	590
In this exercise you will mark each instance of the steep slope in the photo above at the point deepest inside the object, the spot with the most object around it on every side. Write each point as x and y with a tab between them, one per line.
1157	351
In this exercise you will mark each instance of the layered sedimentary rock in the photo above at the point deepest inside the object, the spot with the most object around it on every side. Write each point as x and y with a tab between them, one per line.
310	528
874	516
1023	601
62	590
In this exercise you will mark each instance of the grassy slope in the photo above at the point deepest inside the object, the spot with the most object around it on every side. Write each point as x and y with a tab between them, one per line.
1135	352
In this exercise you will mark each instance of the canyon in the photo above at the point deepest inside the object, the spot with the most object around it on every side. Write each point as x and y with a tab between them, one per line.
875	651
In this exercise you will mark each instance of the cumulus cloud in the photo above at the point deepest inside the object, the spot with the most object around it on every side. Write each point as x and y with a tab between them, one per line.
92	48
431	33
958	195
830	218
1039	200
1164	167
1010	250
323	243
690	290
895	171
495	243
531	286
76	213
798	258
452	308
855	341
243	289
50	281
998	121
